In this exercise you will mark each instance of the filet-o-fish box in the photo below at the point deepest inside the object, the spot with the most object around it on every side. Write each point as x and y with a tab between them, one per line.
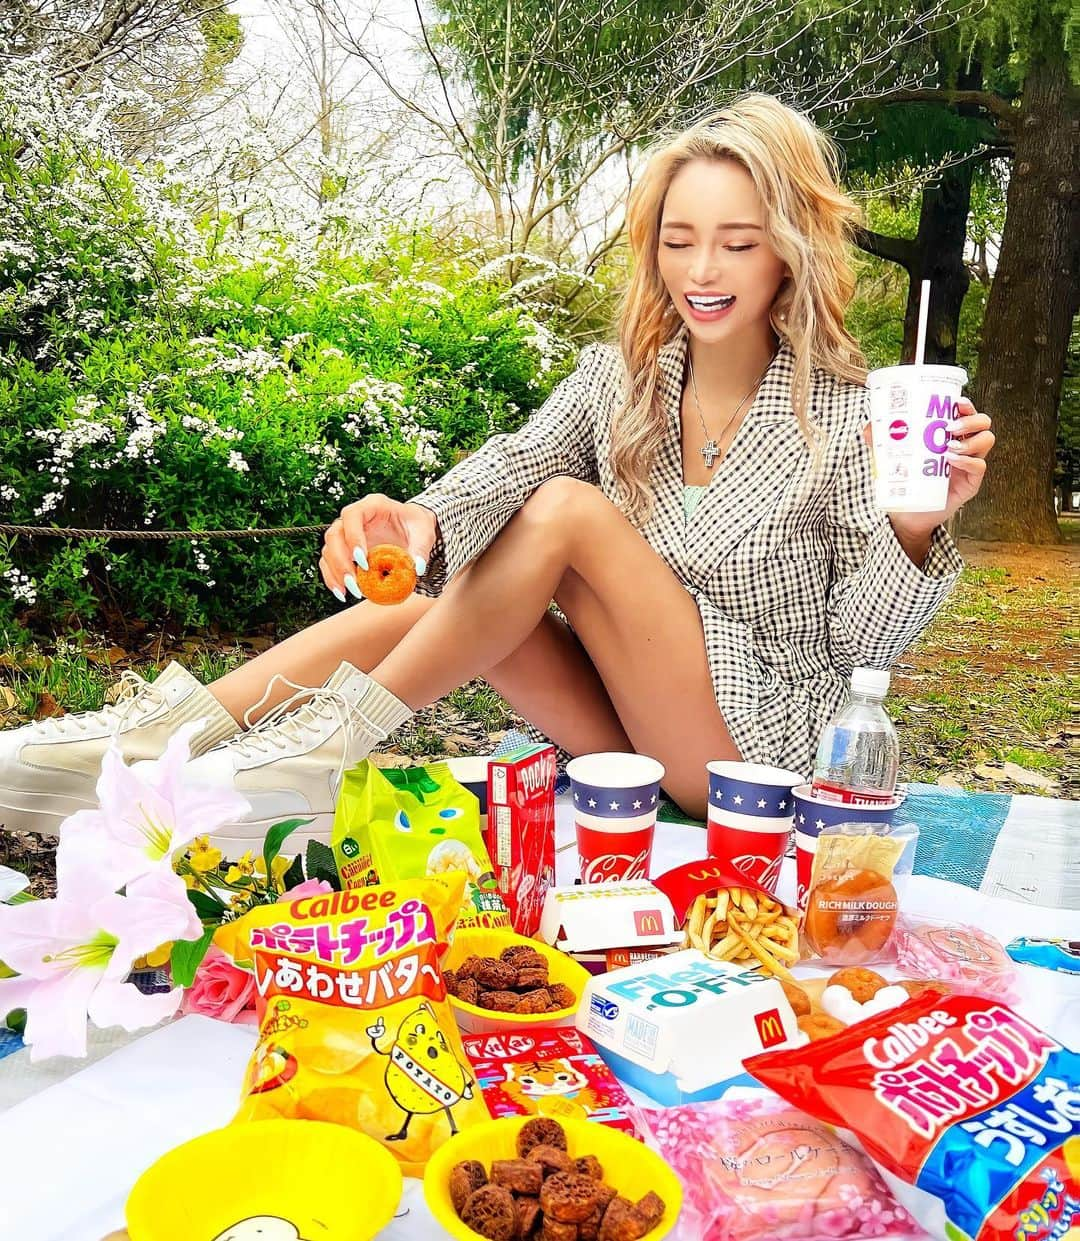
605	926
679	1027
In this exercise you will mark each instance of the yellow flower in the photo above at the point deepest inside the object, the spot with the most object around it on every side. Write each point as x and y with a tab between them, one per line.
203	858
246	866
278	867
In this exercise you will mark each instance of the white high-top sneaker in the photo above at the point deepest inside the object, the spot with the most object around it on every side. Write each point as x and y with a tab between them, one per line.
49	770
290	764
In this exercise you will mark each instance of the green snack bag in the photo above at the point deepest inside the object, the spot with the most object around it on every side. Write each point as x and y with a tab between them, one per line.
412	822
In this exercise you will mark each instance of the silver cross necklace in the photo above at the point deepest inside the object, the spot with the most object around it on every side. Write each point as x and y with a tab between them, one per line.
710	450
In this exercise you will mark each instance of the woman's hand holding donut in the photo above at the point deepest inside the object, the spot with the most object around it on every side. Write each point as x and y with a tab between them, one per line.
374	521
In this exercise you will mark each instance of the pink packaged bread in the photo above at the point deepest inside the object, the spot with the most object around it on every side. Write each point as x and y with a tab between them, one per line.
966	958
760	1170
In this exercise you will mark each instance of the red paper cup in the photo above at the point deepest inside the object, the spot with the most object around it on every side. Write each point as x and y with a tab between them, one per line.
805	848
752	852
611	855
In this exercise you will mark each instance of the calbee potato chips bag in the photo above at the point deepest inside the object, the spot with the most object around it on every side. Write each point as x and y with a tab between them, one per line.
357	1028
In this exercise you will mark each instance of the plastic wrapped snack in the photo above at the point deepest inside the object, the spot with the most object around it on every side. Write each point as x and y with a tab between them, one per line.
960	1097
357	1028
760	1170
965	958
415	823
855	891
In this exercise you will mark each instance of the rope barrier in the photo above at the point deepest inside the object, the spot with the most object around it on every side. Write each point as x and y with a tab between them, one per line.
56	532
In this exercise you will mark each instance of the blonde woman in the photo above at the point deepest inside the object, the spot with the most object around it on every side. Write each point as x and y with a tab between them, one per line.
696	500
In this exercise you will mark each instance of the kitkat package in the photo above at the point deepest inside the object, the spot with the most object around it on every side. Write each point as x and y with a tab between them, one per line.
960	1097
544	1072
412	823
355	1024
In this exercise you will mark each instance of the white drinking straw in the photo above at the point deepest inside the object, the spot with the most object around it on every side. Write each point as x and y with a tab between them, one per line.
924	312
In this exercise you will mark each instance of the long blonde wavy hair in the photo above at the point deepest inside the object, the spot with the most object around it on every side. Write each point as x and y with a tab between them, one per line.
808	223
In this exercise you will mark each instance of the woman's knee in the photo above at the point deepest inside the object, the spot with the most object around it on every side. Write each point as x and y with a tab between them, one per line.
562	503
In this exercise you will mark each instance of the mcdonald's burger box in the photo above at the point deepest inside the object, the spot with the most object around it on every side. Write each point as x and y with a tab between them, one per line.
679	1027
604	926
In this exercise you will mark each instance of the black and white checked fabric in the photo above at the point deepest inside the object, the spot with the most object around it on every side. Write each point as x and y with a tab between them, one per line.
797	576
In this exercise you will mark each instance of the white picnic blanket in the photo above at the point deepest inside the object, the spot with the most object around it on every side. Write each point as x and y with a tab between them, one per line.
72	1146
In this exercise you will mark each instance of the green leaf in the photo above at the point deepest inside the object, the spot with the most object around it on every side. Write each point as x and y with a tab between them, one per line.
321	864
294	876
276	837
187	955
206	906
16	1020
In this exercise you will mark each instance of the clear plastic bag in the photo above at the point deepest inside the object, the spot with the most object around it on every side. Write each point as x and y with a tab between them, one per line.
966	959
856	891
758	1169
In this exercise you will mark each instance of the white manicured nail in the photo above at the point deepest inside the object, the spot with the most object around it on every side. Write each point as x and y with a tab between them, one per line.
338	594
421	565
360	556
351	586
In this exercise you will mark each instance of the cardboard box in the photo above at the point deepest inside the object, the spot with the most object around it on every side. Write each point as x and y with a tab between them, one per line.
678	1028
604	926
521	830
543	1072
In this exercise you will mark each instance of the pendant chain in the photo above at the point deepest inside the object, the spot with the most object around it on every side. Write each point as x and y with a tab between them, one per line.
710	450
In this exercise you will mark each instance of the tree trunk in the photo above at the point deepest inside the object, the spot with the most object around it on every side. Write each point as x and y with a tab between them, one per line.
939	258
1031	305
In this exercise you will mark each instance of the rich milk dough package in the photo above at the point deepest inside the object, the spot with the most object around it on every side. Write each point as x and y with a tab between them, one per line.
964	1099
357	1028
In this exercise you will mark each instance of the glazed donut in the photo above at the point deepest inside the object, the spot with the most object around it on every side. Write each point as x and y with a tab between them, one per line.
390	576
819	1025
849	919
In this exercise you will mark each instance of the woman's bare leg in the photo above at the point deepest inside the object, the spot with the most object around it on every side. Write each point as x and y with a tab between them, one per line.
638	625
536	679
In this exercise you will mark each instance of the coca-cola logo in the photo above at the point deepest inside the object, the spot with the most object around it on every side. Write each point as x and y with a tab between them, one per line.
612	866
756	866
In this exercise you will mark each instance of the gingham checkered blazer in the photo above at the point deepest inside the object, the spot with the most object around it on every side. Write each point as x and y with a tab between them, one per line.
797	576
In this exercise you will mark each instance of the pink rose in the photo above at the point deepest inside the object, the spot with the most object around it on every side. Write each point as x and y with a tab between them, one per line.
221	990
310	887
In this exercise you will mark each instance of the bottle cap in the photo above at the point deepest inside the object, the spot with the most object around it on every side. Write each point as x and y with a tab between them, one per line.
871	681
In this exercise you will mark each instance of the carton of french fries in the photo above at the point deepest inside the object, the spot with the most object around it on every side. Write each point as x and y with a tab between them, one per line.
729	919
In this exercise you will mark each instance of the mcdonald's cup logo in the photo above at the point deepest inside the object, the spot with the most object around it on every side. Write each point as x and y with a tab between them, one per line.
769	1027
648	922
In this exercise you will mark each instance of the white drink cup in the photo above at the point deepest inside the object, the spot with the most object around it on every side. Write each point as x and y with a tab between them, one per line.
910	409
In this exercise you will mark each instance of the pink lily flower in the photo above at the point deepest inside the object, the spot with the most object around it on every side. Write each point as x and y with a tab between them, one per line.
147	811
73	952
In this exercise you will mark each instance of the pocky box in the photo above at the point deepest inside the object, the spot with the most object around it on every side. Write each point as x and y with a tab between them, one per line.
544	1072
521	831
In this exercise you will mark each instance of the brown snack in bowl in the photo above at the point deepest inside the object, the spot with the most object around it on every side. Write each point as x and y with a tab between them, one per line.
519	1176
621	1222
557	1230
522	957
490	1211
530	979
499	1001
562	996
468	967
551	1159
540	1132
495	975
534	1002
650	1209
528	1215
450	982
589	1165
568	1197
468	991
589	1229
465	1179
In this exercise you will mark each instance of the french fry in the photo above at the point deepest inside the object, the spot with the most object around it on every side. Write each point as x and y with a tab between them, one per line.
735	924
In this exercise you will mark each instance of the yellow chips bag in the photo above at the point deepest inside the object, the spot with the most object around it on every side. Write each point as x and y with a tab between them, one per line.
357	1028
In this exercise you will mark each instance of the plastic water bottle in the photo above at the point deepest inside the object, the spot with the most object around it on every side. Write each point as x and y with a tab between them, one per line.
859	755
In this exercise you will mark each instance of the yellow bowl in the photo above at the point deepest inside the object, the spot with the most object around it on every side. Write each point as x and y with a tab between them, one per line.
483	943
268	1180
630	1167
